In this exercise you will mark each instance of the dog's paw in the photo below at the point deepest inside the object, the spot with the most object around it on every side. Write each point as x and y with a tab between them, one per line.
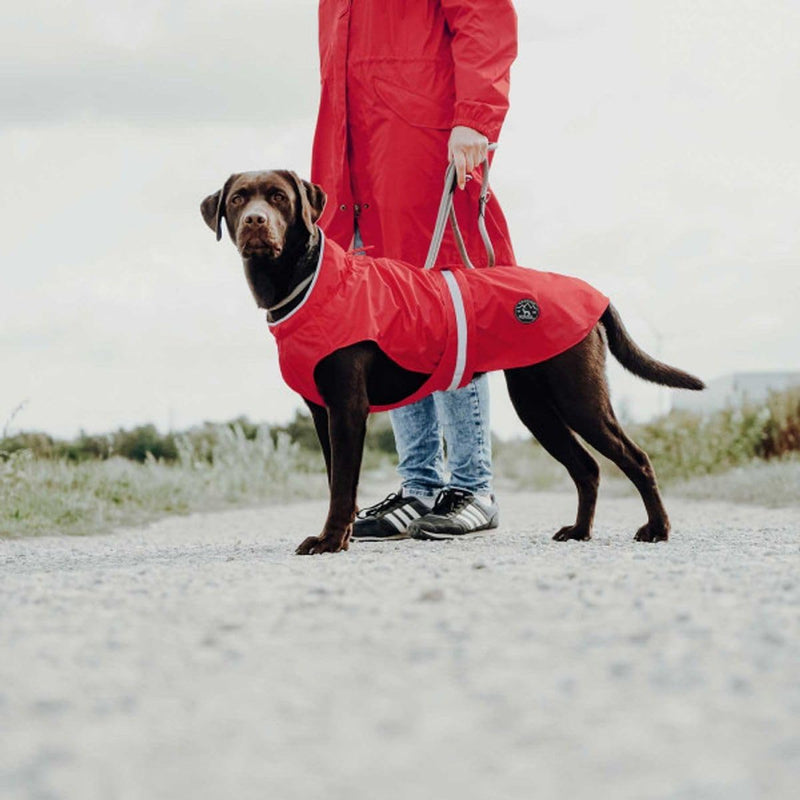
651	533
314	545
573	532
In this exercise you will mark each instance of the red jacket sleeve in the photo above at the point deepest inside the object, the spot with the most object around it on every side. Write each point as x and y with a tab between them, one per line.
484	47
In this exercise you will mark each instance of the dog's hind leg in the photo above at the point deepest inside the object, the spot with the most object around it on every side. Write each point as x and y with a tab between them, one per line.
530	397
580	390
608	438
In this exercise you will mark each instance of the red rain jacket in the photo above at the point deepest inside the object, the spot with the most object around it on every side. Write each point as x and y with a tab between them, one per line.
396	77
449	323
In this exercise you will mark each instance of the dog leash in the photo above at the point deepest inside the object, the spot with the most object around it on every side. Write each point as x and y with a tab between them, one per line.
447	210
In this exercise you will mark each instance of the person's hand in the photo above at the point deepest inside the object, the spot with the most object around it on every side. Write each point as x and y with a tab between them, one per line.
467	148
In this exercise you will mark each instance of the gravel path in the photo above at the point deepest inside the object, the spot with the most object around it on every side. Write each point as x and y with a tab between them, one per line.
197	658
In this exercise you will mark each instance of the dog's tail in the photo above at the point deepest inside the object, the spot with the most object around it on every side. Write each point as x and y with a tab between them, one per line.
635	360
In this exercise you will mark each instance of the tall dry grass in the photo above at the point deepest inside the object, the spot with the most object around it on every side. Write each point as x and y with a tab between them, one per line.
85	486
224	468
756	447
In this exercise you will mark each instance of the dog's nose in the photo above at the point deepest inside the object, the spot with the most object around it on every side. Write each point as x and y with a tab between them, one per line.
255	218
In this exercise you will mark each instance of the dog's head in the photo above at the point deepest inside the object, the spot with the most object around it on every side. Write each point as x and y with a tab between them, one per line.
267	213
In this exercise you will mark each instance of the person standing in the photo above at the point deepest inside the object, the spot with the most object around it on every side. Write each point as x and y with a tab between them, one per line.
407	85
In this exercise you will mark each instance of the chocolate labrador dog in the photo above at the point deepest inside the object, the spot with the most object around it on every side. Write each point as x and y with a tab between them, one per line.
271	218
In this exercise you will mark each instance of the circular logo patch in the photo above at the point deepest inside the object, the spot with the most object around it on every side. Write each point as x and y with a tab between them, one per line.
526	311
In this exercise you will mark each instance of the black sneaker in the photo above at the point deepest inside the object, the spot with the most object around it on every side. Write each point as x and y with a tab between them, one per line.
388	519
456	512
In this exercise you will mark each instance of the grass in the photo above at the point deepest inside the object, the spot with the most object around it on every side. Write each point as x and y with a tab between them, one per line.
775	484
524	466
747	455
40	496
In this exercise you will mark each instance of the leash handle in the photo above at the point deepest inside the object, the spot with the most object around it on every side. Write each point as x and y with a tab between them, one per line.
447	210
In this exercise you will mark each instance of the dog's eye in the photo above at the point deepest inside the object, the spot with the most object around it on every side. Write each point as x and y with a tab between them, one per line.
236	199
279	196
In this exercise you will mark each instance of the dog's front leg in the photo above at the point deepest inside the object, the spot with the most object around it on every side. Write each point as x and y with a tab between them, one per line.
320	416
347	425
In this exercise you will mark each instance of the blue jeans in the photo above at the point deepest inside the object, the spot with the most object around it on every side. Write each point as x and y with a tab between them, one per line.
464	415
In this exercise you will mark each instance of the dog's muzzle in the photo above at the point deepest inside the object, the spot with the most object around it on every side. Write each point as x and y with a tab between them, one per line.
257	234
258	243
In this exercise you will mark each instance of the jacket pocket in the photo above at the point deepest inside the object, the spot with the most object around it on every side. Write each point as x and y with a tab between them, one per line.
416	109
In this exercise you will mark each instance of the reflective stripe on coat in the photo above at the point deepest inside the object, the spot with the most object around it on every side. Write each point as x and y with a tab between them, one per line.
513	317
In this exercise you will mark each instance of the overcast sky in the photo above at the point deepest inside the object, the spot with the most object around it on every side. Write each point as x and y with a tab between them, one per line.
651	149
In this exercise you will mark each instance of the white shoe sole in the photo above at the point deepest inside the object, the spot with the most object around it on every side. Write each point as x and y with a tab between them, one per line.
395	537
421	533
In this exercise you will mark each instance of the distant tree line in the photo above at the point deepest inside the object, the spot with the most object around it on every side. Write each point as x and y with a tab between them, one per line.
680	444
145	441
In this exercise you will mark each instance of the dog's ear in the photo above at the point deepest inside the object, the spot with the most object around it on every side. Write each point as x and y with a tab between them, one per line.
213	208
311	199
316	199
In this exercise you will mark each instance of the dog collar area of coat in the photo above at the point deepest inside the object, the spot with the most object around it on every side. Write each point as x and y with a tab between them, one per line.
448	324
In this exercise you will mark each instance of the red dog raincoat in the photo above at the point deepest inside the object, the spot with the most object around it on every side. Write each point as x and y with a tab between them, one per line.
449	324
396	77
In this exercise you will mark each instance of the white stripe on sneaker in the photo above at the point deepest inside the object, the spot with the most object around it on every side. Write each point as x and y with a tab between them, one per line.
400	513
406	513
472	517
395	519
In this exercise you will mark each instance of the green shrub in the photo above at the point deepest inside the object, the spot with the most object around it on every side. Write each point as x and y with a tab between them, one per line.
300	430
143	442
40	445
781	434
682	445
